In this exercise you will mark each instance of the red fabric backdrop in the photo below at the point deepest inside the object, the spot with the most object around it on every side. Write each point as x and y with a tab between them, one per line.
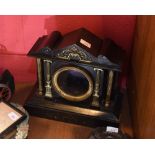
18	34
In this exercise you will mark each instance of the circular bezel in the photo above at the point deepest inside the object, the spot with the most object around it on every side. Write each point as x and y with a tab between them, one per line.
66	95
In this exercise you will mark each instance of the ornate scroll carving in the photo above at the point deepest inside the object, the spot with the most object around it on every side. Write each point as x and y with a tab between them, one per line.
73	53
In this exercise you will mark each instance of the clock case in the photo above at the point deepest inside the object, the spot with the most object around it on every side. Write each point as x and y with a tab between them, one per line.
100	59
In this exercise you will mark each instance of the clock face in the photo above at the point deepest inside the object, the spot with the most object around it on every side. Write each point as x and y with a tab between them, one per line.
72	83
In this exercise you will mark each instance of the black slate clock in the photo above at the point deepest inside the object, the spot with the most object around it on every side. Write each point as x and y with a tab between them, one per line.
78	78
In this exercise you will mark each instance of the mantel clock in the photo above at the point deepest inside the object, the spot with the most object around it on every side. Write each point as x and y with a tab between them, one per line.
78	78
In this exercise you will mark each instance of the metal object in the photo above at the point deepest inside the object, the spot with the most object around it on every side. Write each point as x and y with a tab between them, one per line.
48	91
39	71
5	92
109	88
95	101
66	95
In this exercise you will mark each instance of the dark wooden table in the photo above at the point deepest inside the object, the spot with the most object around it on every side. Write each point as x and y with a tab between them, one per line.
44	128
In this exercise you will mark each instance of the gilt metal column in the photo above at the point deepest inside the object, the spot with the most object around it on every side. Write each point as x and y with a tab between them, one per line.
48	91
109	88
95	101
39	73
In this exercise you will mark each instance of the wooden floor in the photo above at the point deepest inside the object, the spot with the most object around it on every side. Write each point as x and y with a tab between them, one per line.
44	128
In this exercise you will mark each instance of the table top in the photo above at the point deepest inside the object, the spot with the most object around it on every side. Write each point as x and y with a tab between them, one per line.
45	128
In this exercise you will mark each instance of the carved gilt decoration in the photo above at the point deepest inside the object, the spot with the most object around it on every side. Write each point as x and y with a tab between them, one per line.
74	54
